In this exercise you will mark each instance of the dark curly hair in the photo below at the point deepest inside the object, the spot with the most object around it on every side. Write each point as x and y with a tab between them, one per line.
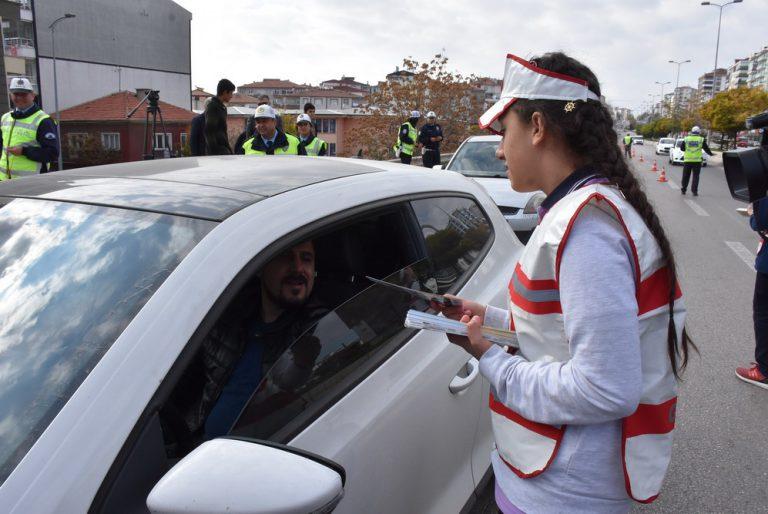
588	132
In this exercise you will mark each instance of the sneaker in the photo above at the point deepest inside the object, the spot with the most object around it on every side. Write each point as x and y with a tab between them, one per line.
752	376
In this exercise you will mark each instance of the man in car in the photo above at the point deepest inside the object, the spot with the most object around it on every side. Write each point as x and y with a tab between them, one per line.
261	324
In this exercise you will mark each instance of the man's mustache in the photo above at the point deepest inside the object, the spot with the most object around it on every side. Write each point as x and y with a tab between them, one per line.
294	279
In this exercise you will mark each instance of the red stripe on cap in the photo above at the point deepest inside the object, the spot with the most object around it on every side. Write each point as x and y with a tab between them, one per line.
548	73
549	431
651	419
653	292
487	126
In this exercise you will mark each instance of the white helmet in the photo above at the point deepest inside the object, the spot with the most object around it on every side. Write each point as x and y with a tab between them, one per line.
20	84
264	111
415	114
431	114
696	130
303	118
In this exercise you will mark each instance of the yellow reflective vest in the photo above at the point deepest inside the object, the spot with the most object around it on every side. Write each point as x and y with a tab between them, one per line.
292	148
314	147
19	132
406	148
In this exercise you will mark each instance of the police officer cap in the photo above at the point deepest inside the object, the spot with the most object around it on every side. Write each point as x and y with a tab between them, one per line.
303	118
264	111
415	114
431	114
20	84
696	130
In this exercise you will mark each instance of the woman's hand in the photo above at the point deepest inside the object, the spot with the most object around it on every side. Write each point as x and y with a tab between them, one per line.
459	307
475	344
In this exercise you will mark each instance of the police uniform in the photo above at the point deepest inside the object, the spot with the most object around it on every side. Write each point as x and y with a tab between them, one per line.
692	147
284	144
35	132
314	146
431	156
628	146
406	139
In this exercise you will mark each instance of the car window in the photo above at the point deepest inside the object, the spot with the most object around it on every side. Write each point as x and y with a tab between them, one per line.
665	141
455	231
73	277
478	159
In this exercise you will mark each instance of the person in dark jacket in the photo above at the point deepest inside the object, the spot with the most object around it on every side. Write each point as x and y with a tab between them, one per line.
263	322
197	135
757	374
216	136
245	135
429	137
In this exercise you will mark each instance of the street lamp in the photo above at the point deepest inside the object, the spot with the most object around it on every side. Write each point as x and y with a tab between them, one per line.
717	45
52	26
661	100
677	79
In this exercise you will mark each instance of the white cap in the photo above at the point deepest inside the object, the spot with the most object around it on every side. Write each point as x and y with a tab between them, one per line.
525	80
20	84
303	117
696	130
264	111
431	114
415	114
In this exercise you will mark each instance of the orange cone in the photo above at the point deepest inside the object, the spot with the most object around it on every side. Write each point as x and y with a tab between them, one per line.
654	168
663	175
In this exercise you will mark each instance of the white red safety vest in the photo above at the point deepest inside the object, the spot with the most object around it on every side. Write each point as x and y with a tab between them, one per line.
528	447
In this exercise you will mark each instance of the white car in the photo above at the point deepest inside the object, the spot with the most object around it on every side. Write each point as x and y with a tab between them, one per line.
114	277
676	154
664	145
476	158
638	140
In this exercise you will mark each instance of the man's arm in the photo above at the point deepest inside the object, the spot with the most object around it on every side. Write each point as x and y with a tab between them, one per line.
682	146
323	149
759	219
706	149
48	151
423	136
404	137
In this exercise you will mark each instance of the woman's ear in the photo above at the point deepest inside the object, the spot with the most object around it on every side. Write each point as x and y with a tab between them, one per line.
538	128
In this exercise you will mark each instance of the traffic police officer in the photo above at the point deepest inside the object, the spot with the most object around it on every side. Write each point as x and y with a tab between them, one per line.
430	136
692	146
268	140
28	135
406	138
628	146
312	144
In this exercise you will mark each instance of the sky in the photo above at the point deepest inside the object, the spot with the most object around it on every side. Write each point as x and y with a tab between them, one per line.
626	43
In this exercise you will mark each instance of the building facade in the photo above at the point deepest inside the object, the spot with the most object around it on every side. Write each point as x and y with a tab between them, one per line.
282	94
199	98
113	45
712	83
346	84
19	45
738	73
758	69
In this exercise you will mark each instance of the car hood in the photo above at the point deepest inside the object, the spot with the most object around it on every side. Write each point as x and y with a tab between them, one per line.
502	193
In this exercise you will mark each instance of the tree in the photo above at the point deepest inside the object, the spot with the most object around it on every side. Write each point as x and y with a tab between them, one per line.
90	152
727	111
455	99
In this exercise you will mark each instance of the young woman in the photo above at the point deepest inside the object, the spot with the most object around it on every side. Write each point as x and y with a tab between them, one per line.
583	414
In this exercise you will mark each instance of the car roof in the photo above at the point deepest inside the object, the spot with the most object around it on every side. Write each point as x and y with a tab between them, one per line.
485	137
211	188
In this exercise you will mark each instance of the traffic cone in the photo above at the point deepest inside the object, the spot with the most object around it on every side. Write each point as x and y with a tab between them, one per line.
663	175
654	168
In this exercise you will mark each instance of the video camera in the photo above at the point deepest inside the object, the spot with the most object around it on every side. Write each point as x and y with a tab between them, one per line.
746	171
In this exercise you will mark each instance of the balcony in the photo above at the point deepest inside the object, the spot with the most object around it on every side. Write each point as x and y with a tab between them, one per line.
19	47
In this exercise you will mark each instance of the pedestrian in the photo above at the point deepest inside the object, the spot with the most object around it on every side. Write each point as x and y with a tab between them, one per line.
268	140
309	110
628	146
313	146
406	138
264	100
583	414
429	138
197	135
250	128
216	135
757	373
27	134
692	147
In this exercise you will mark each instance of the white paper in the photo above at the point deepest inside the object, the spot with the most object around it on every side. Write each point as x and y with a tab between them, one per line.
425	321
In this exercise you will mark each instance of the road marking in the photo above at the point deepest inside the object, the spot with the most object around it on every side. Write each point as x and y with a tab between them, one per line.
744	254
672	185
698	209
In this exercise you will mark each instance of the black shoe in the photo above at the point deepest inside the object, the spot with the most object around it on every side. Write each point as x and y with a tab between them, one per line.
682	191
695	194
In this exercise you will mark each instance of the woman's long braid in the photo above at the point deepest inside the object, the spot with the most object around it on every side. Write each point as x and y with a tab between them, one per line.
588	131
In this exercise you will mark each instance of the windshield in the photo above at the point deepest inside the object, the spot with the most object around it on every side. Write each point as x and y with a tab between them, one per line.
73	276
478	159
666	141
679	143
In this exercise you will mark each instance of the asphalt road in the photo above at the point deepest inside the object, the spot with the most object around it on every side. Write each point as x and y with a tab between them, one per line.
720	459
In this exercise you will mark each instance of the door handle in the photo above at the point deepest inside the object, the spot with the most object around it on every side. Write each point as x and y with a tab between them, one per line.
459	383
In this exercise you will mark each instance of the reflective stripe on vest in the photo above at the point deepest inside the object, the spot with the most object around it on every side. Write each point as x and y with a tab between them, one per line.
406	148
19	132
694	146
528	447
292	148
313	148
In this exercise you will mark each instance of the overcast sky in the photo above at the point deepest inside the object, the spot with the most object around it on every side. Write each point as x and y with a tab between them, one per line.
626	43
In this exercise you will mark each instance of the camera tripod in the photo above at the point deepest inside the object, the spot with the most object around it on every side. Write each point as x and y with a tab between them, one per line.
153	109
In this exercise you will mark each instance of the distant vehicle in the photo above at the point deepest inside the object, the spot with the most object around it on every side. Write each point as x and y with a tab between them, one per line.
676	155
476	159
638	140
664	145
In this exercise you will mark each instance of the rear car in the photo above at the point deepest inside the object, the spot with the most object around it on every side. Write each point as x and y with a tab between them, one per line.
476	159
677	156
638	140
664	145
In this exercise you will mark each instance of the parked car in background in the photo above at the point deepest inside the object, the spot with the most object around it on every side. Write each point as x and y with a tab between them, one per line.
476	159
118	278
664	145
676	155
638	140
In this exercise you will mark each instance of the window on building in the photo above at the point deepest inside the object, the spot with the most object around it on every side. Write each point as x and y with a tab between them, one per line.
328	126
345	102
110	140
331	149
333	102
75	142
184	139
163	141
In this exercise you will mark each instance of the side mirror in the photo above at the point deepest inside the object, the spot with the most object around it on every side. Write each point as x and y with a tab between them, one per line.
236	475
438	167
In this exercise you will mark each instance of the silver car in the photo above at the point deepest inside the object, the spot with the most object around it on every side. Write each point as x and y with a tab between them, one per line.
476	159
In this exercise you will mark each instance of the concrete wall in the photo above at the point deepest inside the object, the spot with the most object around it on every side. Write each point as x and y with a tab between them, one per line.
148	39
80	82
